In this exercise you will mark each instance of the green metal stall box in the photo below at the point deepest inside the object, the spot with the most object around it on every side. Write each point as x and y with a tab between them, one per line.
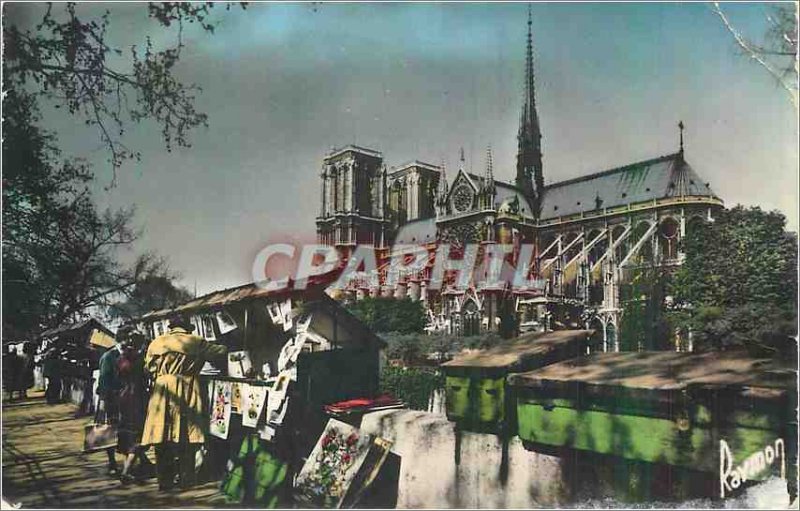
708	412
477	397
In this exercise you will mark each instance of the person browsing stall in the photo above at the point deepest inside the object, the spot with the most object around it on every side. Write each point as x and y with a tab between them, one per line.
175	420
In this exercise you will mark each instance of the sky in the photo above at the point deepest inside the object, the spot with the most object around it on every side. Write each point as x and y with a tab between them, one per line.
284	83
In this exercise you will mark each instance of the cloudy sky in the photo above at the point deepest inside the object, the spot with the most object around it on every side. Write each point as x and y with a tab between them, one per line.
283	83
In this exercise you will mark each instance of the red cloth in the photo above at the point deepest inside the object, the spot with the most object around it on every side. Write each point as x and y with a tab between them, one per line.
362	403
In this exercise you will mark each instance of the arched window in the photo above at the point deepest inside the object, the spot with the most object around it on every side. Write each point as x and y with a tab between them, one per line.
471	318
596	339
668	230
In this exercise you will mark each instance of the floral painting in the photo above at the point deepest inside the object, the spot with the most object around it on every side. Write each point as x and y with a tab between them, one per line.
221	410
332	465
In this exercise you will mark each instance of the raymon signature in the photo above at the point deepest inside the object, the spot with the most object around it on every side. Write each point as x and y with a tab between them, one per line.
731	477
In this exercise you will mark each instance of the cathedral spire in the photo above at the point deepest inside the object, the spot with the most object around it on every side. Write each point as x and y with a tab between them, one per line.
441	193
529	154
489	169
488	188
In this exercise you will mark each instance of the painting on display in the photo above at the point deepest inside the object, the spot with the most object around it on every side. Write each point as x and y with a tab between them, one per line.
236	397
253	398
221	410
329	471
239	364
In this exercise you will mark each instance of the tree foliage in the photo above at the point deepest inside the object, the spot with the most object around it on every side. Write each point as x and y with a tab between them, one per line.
644	324
153	292
69	60
414	385
415	348
384	314
59	251
738	286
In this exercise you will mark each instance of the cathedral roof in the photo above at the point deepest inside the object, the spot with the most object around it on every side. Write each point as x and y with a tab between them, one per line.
666	176
505	192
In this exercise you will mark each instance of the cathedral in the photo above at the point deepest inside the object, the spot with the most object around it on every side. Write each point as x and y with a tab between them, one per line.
591	234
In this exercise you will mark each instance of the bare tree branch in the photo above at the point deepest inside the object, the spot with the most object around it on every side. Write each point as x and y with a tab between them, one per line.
758	53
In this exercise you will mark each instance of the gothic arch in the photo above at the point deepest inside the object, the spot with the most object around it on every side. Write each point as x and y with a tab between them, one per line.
669	230
645	252
597	339
694	221
621	249
471	317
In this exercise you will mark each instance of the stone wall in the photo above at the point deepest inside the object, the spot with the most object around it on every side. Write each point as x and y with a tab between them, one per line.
443	468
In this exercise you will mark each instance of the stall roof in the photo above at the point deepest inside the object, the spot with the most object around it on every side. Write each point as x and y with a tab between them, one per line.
102	339
314	299
662	370
533	344
65	329
236	294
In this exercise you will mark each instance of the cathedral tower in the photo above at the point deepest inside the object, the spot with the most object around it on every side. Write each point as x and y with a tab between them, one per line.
353	198
529	138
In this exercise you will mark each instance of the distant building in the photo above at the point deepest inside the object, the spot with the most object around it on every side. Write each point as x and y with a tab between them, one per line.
588	232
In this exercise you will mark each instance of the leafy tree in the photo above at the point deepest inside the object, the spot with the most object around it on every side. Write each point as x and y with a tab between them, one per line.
644	324
738	286
59	251
414	385
69	61
415	347
384	314
153	292
408	348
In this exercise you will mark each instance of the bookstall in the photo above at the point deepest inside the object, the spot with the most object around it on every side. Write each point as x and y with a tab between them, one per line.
289	354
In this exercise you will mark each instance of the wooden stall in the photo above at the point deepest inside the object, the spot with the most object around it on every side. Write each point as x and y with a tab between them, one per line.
76	348
303	348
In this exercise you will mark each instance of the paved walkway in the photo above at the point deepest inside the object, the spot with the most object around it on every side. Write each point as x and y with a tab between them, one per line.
43	465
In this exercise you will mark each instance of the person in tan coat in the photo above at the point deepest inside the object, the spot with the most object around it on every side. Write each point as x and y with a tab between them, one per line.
176	421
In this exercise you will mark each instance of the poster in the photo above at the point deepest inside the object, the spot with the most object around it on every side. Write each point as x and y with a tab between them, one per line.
239	364
281	314
291	350
286	315
333	464
274	311
221	410
276	399
236	397
253	398
226	323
